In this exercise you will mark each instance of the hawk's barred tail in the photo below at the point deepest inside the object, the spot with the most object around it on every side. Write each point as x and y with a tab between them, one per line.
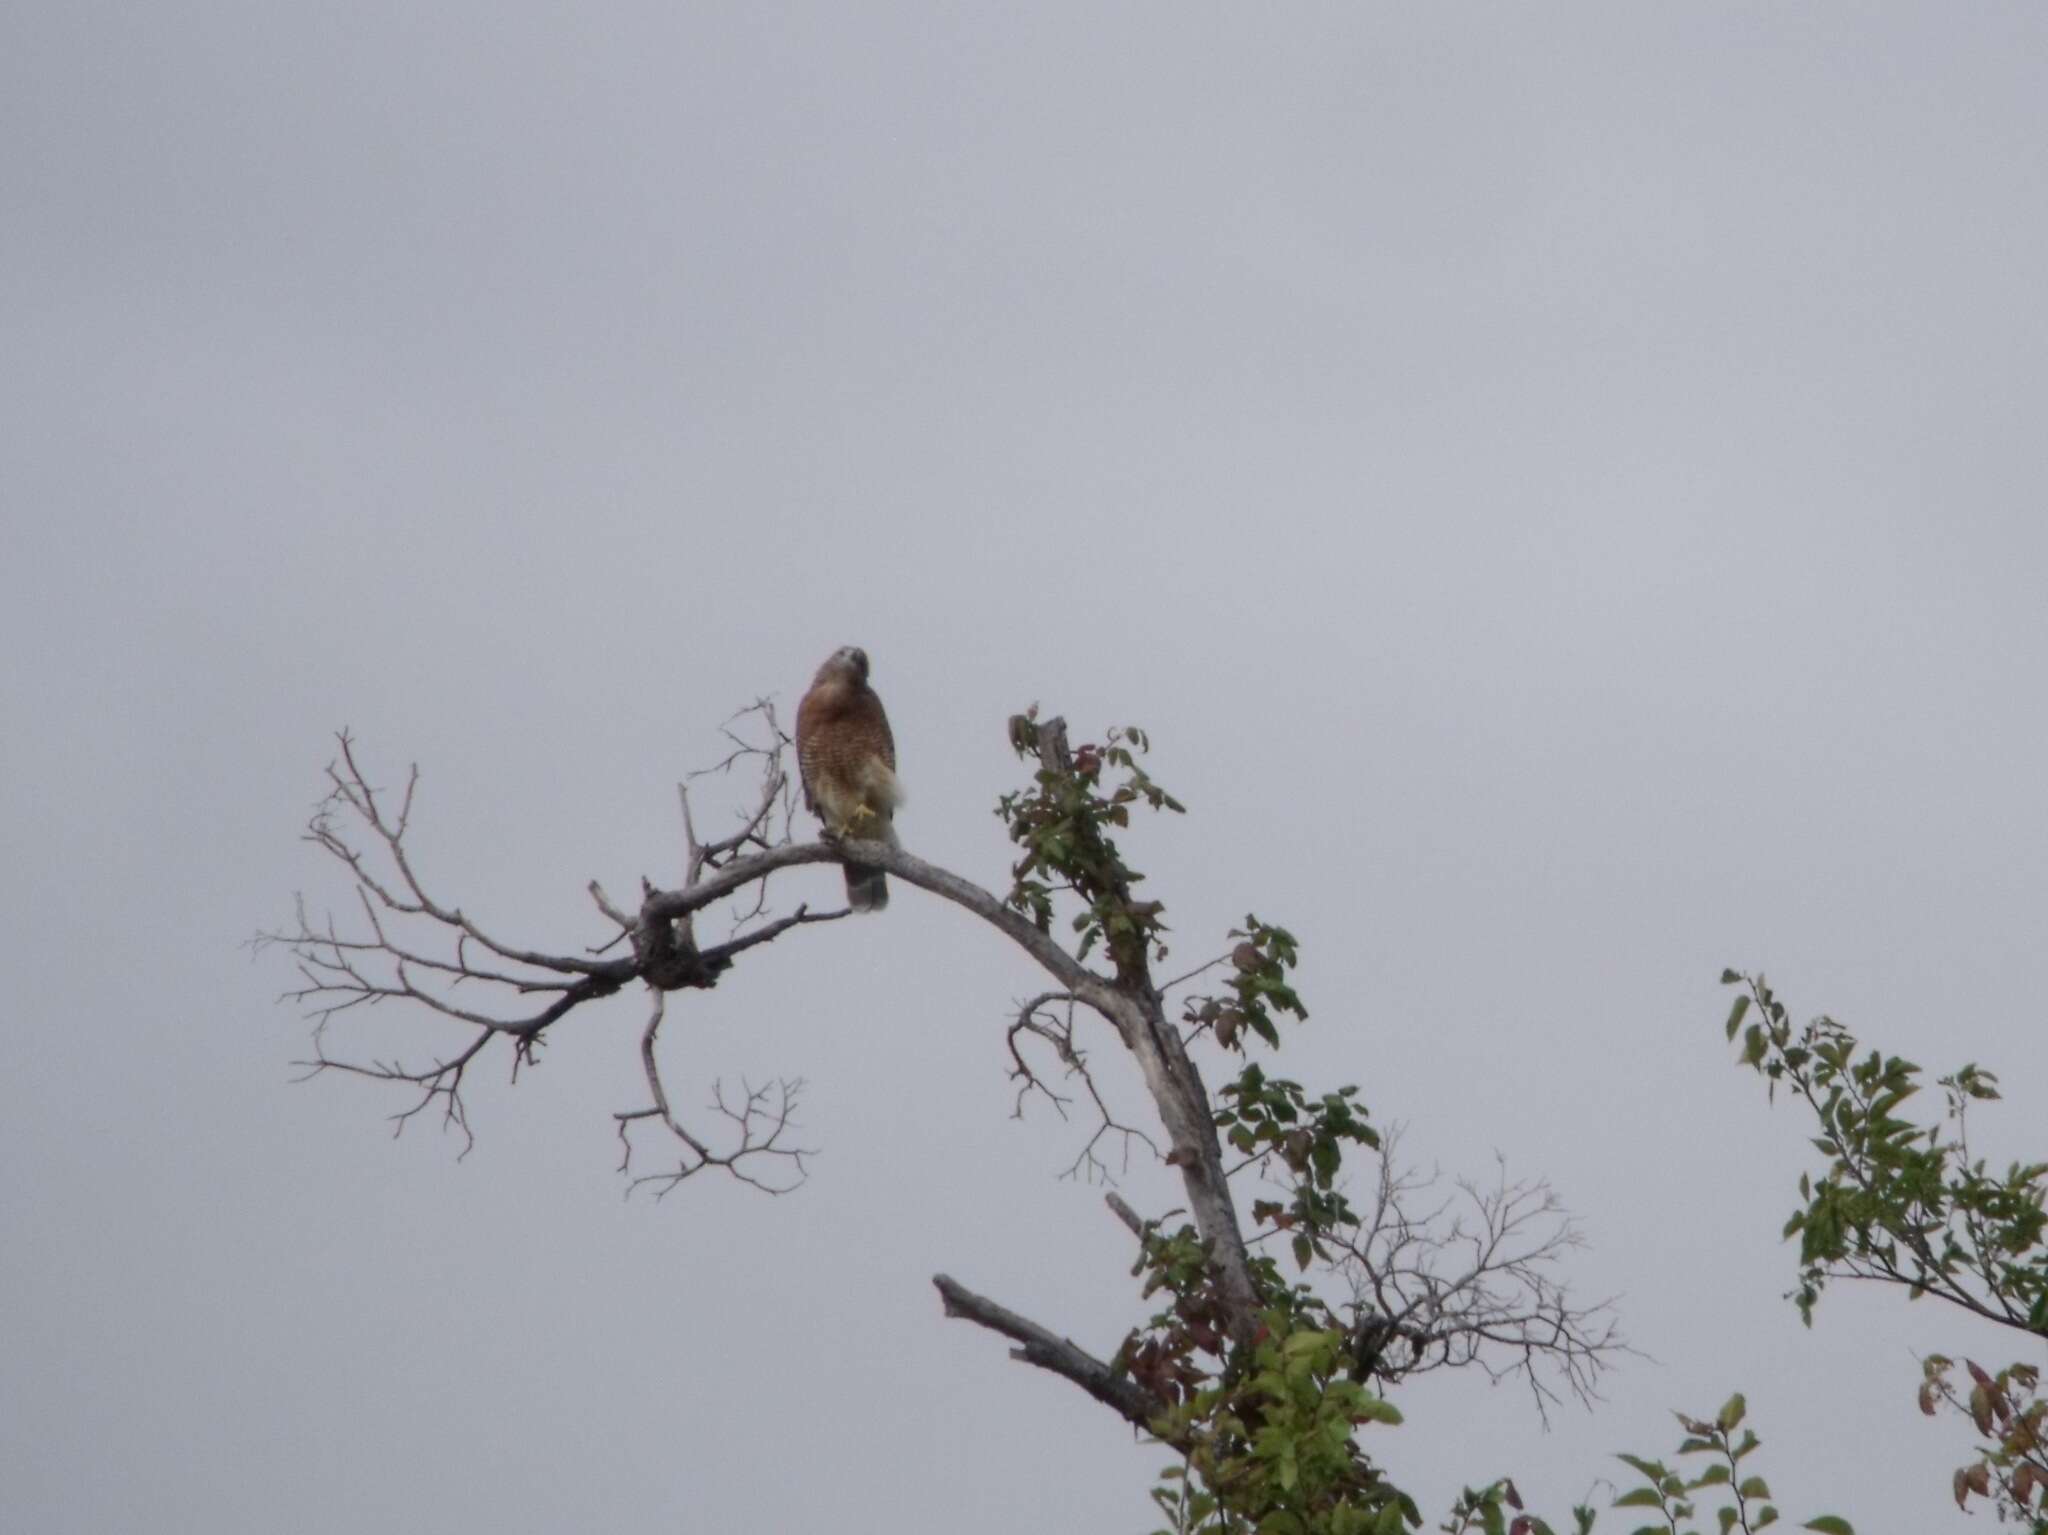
867	887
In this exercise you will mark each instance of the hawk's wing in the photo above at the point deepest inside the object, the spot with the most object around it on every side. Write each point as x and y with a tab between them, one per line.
807	752
882	740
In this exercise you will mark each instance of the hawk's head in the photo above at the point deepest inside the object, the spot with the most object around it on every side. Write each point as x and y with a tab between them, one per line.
848	663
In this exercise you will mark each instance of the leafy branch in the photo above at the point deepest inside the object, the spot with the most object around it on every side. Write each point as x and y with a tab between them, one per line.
1740	1500
1901	1201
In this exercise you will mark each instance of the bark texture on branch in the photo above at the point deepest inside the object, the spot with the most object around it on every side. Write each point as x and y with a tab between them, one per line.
1044	1349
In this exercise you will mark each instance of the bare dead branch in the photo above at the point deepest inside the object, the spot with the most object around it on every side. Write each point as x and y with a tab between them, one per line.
723	954
440	1082
666	956
1088	1166
352	791
1123	1212
1057	1034
1047	1351
1056	1030
1470	1278
604	904
770	821
760	1121
413	947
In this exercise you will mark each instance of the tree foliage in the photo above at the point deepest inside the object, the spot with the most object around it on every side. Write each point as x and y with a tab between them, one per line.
1269	1426
1904	1201
1276	1339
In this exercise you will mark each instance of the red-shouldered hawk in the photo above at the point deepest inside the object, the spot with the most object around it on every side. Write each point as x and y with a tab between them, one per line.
848	761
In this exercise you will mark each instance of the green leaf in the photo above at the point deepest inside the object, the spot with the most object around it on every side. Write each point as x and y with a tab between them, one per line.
1378	1410
1731	1412
1735	1014
1754	1488
1640	1497
1830	1524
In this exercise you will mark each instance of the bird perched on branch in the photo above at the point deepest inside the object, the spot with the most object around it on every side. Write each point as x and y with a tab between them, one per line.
848	762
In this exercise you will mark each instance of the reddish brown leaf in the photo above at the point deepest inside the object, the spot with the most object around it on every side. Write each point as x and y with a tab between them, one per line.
2023	1481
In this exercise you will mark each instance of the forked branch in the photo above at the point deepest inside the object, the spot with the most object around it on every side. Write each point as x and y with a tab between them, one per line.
1471	1278
414	947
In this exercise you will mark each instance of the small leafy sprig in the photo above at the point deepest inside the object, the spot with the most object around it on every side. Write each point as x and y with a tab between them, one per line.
1741	1499
1257	988
1266	1117
1496	1509
2011	1417
1062	823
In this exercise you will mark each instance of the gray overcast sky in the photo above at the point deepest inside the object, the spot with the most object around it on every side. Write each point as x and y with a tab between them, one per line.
1561	484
